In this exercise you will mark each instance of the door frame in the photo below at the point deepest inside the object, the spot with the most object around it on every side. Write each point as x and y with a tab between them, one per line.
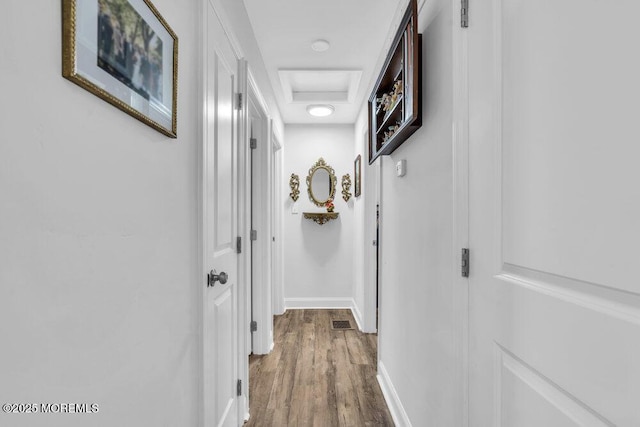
261	248
461	160
371	184
277	256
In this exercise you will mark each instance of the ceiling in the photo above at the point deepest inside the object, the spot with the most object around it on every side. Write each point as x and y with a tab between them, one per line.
358	33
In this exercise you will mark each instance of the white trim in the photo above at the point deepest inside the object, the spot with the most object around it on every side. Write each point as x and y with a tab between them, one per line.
277	269
460	215
218	8
262	212
244	336
371	176
399	415
201	191
259	97
318	303
357	315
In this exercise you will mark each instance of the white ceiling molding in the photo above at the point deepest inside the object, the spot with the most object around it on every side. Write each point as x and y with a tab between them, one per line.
253	85
318	85
227	27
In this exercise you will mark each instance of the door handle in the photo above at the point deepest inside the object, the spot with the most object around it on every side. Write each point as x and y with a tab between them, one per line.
214	277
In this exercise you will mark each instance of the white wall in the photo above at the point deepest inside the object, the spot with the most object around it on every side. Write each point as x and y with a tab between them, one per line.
98	237
418	335
318	260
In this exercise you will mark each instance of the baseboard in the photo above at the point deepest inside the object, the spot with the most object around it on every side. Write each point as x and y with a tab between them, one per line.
318	303
398	413
356	314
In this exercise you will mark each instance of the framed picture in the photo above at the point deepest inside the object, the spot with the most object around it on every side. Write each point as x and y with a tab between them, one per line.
124	52
357	165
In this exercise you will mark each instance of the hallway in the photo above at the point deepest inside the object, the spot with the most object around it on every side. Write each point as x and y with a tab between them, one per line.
317	376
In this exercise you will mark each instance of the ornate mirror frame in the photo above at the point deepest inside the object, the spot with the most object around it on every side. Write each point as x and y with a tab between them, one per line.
321	164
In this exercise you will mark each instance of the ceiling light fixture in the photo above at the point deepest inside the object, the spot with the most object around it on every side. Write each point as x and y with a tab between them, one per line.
320	45
320	110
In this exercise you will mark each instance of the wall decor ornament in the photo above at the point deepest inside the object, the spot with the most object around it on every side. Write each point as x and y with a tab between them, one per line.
346	186
124	52
294	183
357	166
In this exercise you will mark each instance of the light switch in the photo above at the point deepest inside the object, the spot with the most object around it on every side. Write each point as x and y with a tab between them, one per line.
294	208
401	168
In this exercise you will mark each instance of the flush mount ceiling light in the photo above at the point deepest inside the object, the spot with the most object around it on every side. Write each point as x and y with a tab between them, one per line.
320	110
320	45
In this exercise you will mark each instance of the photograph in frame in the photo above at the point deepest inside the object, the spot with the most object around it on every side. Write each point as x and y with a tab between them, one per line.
124	52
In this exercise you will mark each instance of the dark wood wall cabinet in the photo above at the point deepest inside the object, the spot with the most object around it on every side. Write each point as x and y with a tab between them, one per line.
395	103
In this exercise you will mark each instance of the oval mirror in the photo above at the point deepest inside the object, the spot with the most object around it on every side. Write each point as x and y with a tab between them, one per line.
321	183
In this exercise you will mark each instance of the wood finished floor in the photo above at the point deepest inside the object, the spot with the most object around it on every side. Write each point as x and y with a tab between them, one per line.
317	376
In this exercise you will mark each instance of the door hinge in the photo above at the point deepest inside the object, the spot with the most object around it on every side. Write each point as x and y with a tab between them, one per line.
464	14
464	264
253	143
238	101
239	388
254	235
239	245
253	326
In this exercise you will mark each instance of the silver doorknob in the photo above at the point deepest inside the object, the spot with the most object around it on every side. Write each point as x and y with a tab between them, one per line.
214	277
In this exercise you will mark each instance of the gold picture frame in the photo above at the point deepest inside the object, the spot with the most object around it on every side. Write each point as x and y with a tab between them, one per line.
357	170
124	52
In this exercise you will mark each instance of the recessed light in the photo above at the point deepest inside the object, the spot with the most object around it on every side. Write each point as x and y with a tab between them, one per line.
320	110
320	45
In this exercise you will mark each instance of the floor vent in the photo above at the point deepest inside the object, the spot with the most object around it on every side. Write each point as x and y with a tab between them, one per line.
341	324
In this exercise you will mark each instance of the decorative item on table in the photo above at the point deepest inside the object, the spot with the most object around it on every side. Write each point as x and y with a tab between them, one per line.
346	186
294	183
329	205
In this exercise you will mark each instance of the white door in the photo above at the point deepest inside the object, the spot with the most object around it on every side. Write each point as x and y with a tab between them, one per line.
554	144
220	228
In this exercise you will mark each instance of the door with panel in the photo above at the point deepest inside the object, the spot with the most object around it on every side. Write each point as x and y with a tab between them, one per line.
554	302
220	188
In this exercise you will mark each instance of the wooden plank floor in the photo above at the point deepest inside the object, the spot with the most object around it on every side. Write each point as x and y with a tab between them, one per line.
317	376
